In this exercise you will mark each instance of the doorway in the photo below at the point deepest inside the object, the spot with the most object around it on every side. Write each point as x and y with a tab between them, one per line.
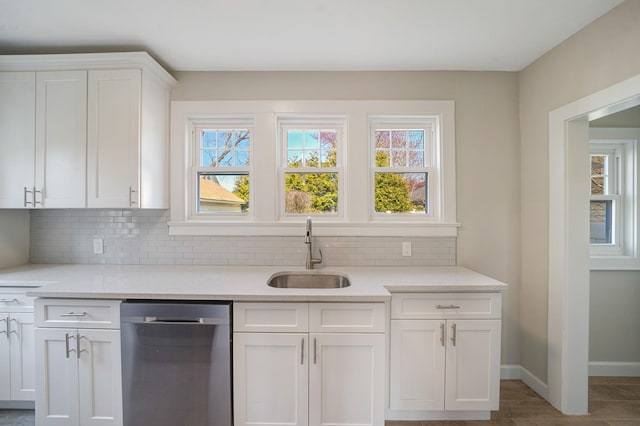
568	337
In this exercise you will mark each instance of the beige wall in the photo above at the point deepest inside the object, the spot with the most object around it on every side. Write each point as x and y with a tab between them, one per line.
614	317
487	144
600	55
14	237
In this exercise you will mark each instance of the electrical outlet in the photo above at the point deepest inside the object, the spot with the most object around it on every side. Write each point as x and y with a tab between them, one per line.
98	246
406	248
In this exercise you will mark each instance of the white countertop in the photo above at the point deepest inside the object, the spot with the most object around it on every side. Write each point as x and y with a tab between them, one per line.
235	283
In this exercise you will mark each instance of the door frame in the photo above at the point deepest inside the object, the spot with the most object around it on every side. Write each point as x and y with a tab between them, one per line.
568	296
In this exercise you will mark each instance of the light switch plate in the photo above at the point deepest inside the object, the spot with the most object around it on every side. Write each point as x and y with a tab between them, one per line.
98	246
406	248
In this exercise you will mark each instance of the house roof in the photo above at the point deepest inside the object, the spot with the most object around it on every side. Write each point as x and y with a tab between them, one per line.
213	191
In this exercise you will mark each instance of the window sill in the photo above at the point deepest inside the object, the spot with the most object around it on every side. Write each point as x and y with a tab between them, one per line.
614	263
207	228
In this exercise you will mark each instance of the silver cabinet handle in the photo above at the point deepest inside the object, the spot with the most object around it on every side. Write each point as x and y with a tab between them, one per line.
6	323
455	333
302	352
9	300
78	350
315	350
66	344
25	197
35	201
447	307
442	338
74	314
132	200
17	327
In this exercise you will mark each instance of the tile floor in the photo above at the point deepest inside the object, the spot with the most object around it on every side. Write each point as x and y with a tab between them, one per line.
613	401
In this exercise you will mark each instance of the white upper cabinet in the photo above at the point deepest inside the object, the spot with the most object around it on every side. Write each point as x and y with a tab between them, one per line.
17	137
61	139
84	130
114	129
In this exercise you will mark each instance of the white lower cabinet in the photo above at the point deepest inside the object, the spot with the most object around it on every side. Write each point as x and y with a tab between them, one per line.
17	368
270	378
17	375
447	364
78	370
305	377
346	379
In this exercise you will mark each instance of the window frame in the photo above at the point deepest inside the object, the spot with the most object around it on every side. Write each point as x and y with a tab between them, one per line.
623	144
307	122
264	218
217	122
615	184
430	126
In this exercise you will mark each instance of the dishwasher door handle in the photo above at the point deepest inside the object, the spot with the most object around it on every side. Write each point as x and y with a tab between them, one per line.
155	320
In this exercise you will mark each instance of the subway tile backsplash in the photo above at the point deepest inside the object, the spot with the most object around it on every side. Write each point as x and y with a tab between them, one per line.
141	237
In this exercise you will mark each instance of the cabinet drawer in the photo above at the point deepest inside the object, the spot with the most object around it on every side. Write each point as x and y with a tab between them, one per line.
347	318
271	317
15	301
445	305
77	313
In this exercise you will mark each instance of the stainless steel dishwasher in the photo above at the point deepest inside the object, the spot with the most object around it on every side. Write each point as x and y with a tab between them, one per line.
176	363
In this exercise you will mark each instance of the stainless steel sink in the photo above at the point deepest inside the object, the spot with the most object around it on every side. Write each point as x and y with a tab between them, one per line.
308	280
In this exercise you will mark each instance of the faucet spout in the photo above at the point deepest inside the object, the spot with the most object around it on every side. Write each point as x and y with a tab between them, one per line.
311	261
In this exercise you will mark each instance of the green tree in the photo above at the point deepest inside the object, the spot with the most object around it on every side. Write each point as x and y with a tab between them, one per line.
242	190
391	190
321	187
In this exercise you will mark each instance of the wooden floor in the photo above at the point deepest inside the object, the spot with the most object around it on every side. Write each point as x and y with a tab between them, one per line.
613	401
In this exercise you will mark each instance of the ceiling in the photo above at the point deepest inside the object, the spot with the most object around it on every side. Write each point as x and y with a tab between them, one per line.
264	35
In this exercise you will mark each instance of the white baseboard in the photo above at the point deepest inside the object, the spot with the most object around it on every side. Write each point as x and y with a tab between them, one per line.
534	383
510	372
515	372
616	369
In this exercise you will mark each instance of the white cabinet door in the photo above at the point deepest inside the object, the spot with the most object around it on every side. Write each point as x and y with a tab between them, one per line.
5	359
61	139
346	379
113	130
56	377
417	365
270	379
473	365
17	137
100	377
21	337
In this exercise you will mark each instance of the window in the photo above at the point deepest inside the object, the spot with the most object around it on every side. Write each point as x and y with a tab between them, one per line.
311	173
606	204
404	166
221	175
361	168
613	212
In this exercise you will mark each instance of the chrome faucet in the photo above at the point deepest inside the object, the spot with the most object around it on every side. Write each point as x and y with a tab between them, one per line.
307	240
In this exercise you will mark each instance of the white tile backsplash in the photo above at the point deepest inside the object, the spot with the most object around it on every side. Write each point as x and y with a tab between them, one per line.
141	237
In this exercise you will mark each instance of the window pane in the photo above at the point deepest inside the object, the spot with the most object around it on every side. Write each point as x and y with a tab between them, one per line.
311	148
225	147
600	222
400	148
599	174
401	193
383	138
311	193
311	139
220	192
